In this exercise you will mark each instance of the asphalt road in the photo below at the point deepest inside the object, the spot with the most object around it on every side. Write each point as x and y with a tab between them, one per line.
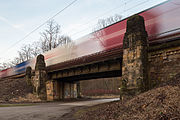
45	111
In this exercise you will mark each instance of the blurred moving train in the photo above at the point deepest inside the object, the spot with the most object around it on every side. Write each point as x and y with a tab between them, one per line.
160	21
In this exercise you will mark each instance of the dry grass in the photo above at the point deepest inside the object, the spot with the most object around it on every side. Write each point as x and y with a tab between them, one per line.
15	105
161	103
28	98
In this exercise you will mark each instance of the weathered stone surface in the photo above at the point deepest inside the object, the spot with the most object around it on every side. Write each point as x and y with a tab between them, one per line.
50	90
54	90
134	68
135	33
40	63
57	90
38	78
40	83
28	76
164	63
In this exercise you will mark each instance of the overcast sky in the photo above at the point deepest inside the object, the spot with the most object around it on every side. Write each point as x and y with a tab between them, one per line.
20	17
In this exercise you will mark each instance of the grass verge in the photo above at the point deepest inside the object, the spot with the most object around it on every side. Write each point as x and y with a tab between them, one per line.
15	105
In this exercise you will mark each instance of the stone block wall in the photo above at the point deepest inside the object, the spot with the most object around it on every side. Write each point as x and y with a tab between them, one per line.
164	64
57	90
52	90
49	90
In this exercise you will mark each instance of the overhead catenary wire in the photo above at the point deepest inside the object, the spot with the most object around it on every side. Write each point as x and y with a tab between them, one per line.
59	13
100	16
27	35
175	3
94	18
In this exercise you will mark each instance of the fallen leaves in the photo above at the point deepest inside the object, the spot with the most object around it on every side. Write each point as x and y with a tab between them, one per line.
161	103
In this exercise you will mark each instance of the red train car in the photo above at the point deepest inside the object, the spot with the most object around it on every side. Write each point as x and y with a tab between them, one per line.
160	21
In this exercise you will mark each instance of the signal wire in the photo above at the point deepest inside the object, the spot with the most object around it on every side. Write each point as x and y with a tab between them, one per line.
90	20
100	16
40	25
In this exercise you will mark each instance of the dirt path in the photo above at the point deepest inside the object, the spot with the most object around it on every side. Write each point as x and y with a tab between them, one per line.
46	111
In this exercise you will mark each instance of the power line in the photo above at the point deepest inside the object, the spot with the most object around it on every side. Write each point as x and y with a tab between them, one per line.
175	3
42	24
91	19
100	16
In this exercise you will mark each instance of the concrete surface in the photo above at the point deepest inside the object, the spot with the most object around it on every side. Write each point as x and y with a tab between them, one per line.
45	111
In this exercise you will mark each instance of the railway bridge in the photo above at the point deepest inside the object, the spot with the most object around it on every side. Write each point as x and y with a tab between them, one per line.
142	51
62	80
100	65
140	64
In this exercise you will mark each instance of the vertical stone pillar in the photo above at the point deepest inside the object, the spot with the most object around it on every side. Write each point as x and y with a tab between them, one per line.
28	76
40	77
53	90
135	61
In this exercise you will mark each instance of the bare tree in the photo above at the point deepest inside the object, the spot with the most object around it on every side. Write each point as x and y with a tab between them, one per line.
64	40
51	37
107	21
36	48
21	56
25	53
5	65
15	61
102	23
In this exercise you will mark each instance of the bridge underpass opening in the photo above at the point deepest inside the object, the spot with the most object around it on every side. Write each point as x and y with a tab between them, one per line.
63	83
74	86
100	87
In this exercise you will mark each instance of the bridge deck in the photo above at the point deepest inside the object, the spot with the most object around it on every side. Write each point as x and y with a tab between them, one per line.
89	59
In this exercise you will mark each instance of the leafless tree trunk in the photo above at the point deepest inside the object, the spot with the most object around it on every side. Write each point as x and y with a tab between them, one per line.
36	49
51	37
25	53
102	23
107	21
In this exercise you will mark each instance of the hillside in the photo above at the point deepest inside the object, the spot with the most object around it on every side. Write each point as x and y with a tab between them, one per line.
12	90
161	103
